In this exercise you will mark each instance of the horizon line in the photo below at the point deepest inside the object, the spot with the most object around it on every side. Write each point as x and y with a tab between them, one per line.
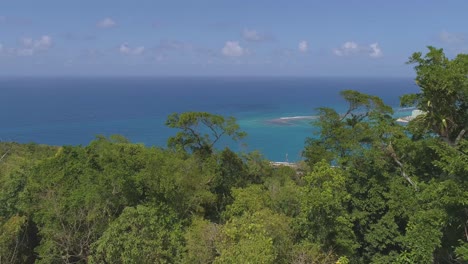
208	76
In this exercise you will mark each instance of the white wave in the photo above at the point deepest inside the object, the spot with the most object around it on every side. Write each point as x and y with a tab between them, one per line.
298	117
403	109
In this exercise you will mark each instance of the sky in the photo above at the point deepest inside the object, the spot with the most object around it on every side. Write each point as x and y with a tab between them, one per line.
225	38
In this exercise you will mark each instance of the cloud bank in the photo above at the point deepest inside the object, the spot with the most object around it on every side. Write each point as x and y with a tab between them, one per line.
28	46
350	48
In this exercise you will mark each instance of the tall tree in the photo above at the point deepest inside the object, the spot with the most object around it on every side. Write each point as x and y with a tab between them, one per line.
340	134
142	234
75	194
444	94
200	131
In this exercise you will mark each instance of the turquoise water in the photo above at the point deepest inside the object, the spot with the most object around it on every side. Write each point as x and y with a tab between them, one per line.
275	112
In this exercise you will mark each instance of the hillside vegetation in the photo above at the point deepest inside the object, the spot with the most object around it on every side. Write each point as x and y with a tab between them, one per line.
370	190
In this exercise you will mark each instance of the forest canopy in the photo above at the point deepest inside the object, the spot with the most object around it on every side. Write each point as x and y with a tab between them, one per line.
370	190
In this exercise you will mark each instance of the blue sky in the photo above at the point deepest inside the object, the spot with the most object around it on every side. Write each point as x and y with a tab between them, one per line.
205	38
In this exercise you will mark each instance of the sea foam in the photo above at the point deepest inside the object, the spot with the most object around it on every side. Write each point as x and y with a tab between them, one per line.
290	120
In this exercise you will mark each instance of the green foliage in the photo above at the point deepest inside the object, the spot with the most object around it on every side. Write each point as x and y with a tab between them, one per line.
201	238
462	251
361	106
364	146
11	239
306	252
389	219
17	237
283	191
234	171
342	260
443	96
182	183
15	164
323	219
247	200
453	160
372	191
230	172
200	131
75	194
424	235
142	234
341	136
258	168
259	237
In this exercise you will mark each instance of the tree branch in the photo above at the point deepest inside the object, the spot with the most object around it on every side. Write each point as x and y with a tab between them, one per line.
400	164
4	155
350	109
196	135
216	140
213	130
459	137
403	173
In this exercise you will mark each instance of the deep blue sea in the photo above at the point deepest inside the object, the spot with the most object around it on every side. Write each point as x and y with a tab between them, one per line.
275	112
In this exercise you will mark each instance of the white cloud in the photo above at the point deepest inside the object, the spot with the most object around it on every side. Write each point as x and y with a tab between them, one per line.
44	43
347	48
376	52
233	49
303	46
125	49
106	23
352	48
29	46
350	45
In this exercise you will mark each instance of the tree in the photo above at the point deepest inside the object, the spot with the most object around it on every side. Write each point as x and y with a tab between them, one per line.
249	199
366	146
324	219
255	237
341	135
201	238
230	172
17	231
141	234
375	191
72	196
11	239
181	182
443	97
439	223
201	131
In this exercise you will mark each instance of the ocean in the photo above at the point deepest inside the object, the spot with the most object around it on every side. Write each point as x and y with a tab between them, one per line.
276	112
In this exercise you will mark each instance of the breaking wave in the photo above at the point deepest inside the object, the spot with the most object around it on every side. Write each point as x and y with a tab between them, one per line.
290	120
